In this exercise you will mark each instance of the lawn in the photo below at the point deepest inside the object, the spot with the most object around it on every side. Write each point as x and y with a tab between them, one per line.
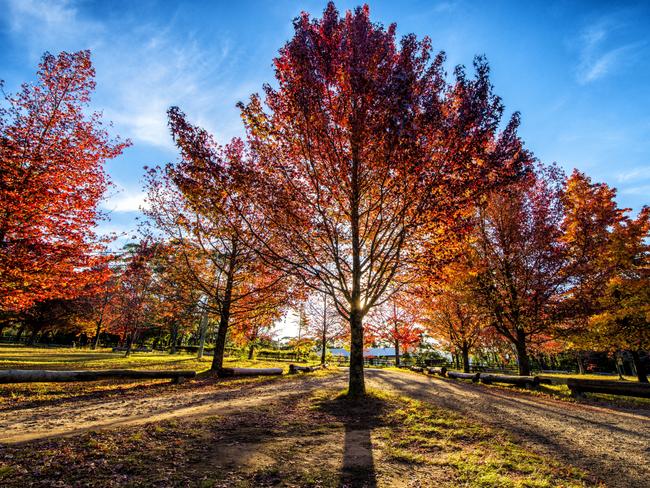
20	357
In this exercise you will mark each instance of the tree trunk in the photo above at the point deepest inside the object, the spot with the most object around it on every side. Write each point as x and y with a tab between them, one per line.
323	350
639	365
96	339
174	339
356	387
251	352
224	318
581	366
396	353
129	346
203	329
19	334
522	354
465	352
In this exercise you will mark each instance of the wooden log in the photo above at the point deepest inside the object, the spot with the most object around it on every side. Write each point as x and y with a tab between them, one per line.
580	386
296	368
49	376
525	381
442	371
552	380
464	376
223	372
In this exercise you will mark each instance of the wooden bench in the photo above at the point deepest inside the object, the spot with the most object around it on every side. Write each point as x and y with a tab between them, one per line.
580	386
53	376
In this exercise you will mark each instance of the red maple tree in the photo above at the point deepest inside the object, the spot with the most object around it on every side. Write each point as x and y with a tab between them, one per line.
51	180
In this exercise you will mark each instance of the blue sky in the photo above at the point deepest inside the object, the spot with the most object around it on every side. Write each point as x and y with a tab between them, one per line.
577	71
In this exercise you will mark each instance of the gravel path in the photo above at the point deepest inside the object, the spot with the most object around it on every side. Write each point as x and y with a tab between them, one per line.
612	444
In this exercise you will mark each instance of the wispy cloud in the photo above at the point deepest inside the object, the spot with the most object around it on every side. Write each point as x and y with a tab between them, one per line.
142	67
126	200
605	46
634	174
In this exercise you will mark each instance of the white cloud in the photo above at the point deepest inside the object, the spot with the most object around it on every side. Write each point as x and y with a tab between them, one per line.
142	67
126	201
603	47
634	174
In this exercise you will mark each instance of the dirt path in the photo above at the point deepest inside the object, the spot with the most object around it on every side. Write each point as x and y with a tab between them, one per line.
613	445
70	418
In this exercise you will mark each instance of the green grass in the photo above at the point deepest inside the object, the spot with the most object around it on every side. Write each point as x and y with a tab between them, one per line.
20	357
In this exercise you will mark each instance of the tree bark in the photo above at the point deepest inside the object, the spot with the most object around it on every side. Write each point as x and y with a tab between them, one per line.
174	339
465	352
224	318
522	354
251	352
19	334
581	366
356	387
203	328
641	371
96	339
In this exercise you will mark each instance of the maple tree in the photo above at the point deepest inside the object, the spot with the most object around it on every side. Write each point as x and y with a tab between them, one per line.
608	264
521	259
52	178
397	323
451	311
362	145
193	204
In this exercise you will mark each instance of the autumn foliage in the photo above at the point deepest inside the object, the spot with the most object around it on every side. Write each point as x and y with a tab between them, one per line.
52	178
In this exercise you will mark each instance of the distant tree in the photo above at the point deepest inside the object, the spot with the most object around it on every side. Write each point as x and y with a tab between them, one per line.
52	177
323	322
360	150
396	323
450	307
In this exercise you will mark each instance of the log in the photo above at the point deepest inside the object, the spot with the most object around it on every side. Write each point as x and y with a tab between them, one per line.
223	372
464	376
552	380
50	376
526	381
626	388
295	368
439	371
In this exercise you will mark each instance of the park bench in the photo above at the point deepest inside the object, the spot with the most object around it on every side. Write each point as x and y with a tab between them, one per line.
580	386
139	349
50	376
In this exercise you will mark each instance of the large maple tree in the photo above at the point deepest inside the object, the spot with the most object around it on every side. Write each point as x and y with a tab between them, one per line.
52	156
361	148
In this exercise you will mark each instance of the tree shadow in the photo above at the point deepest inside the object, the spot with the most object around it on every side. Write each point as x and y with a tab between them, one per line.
359	417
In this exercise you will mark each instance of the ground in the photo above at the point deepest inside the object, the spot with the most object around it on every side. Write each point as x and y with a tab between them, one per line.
413	430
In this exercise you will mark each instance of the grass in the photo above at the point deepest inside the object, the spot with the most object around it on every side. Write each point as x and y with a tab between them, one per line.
20	357
320	440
